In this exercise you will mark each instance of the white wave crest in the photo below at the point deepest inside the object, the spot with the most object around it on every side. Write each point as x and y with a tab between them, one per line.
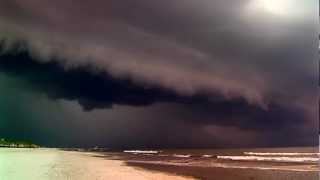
276	159
141	152
280	154
182	155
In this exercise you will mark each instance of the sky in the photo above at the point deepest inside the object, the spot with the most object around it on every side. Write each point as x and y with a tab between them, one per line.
167	74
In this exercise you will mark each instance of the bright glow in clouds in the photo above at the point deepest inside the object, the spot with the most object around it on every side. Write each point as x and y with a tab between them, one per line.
292	8
272	6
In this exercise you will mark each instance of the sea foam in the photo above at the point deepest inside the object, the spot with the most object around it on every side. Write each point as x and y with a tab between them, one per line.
280	154
141	152
275	159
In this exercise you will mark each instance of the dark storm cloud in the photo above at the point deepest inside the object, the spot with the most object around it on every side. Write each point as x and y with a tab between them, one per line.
226	63
93	90
103	37
188	47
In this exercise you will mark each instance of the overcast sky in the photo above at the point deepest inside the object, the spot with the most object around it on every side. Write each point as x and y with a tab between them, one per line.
170	73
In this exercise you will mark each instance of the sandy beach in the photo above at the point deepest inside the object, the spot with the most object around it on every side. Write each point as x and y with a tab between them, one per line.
80	164
53	164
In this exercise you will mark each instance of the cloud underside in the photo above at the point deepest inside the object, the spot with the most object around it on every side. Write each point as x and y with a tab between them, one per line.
254	70
101	90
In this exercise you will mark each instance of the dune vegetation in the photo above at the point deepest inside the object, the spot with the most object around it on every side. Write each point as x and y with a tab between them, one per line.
16	143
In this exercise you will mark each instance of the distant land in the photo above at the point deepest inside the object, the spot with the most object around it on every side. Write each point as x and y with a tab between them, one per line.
17	144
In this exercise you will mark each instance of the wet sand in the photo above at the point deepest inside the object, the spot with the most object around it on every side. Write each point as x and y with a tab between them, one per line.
54	164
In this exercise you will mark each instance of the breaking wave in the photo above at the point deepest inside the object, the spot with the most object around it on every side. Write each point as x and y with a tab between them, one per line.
182	155
141	152
280	154
271	159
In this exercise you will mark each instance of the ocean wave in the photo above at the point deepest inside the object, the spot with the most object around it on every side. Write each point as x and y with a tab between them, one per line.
280	154
268	168
275	159
181	155
141	152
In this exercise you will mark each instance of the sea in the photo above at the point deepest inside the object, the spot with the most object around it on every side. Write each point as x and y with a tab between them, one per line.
288	159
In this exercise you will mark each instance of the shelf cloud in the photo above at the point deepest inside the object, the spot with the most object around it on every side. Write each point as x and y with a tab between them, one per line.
218	60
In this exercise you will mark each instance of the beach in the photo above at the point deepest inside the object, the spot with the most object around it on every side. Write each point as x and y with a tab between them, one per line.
99	164
54	164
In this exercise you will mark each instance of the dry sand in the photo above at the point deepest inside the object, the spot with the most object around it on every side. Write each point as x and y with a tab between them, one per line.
54	164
